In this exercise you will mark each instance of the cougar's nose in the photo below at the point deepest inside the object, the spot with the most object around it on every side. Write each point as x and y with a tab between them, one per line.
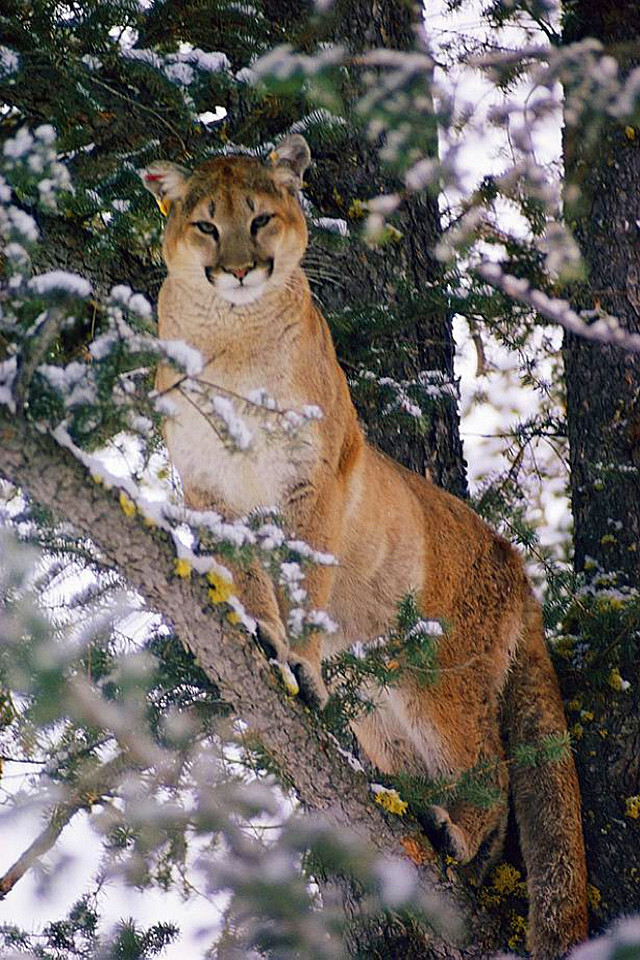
241	272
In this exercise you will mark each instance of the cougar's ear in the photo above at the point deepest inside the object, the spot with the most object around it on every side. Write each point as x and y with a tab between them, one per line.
289	160
166	181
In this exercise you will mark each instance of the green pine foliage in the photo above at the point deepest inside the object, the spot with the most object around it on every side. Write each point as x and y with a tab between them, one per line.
477	786
551	749
123	84
365	334
597	647
78	935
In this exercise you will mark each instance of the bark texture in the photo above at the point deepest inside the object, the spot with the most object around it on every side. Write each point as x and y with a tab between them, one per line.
603	382
372	276
603	415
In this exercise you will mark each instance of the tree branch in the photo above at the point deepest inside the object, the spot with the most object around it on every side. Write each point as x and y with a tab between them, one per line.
92	787
34	352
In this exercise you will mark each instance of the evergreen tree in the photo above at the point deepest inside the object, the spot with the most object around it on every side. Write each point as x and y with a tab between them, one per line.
121	88
145	738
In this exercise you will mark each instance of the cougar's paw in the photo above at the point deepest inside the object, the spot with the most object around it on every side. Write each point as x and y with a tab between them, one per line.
266	642
447	837
273	646
313	689
287	676
277	653
298	674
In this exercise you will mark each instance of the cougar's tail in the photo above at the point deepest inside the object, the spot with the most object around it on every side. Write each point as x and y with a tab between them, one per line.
546	800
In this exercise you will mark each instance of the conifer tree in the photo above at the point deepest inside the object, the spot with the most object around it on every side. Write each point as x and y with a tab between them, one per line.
107	88
94	91
116	106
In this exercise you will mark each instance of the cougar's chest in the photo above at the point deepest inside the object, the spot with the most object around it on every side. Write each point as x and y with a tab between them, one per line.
240	453
239	456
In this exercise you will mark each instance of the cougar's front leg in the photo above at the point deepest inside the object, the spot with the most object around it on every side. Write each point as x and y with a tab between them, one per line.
268	606
265	603
317	515
253	586
306	652
257	592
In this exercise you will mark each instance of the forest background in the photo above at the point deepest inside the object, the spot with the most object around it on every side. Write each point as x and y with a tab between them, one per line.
185	766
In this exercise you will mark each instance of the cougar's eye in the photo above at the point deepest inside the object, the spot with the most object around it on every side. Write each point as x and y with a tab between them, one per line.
260	221
209	228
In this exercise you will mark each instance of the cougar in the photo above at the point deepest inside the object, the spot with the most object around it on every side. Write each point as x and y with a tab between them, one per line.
235	290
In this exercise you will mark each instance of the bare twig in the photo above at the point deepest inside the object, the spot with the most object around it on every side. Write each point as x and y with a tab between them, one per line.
97	782
141	106
604	330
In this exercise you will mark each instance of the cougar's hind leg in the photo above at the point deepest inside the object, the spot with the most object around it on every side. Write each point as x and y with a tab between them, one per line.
399	739
457	732
467	833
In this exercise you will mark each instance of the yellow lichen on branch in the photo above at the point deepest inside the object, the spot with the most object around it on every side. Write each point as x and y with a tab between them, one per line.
506	879
183	568
390	800
594	897
632	807
127	505
221	588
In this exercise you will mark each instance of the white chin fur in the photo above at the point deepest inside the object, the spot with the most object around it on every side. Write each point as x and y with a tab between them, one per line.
240	295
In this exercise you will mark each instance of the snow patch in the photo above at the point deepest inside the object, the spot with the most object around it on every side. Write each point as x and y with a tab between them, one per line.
60	281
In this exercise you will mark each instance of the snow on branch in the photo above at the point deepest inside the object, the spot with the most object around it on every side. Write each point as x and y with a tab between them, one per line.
605	329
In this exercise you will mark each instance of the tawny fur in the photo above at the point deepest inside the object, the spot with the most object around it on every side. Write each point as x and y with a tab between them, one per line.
240	297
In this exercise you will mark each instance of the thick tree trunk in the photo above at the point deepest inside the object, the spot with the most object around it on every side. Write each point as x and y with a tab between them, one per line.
603	415
372	276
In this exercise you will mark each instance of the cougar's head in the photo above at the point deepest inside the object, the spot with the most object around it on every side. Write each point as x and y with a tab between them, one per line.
234	223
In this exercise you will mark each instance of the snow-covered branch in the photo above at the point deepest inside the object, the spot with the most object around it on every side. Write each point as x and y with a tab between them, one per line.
603	329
